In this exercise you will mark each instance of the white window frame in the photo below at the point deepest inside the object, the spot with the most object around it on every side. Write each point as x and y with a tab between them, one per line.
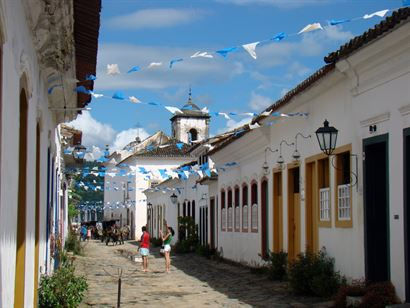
237	217
324	201
223	219
343	202
230	218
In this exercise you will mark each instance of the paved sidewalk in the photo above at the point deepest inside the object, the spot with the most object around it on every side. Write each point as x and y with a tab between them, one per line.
193	282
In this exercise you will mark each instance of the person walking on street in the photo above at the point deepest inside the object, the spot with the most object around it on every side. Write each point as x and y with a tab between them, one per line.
166	239
144	248
88	234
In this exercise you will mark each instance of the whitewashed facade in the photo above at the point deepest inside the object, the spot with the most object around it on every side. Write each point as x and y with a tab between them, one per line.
353	203
36	53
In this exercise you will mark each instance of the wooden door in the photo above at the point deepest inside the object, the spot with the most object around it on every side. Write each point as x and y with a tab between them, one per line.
19	281
311	208
277	212
293	213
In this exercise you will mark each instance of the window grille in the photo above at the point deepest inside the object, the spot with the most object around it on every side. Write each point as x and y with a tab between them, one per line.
230	217
343	201
254	217
245	217
237	217
324	204
223	218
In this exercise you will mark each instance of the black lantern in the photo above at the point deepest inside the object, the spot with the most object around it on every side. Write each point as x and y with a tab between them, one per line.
174	198
327	136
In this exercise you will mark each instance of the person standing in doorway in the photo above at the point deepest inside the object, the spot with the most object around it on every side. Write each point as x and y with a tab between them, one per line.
166	239
88	234
144	248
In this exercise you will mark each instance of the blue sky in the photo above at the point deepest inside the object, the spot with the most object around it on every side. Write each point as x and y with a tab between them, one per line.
137	32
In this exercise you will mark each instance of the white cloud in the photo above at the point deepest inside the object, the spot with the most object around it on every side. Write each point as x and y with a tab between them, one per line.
283	92
297	70
190	71
97	135
259	102
336	33
126	136
232	124
94	132
154	18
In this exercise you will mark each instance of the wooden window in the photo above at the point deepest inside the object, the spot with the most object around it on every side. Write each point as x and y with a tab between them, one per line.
324	193
223	211
230	210
245	215
254	208
237	210
343	192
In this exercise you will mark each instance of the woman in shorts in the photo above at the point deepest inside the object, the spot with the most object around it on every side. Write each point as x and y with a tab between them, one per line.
166	239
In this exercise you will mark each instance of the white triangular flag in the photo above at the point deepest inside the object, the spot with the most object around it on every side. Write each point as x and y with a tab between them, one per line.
253	126
265	113
225	115
311	27
379	13
205	110
154	64
113	69
250	48
202	54
134	100
173	110
95	95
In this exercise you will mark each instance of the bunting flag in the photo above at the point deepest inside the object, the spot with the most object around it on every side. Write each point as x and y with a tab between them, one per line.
173	110
95	95
171	63
278	37
334	22
133	69
154	64
203	54
224	52
250	48
134	100
118	95
379	13
90	77
113	69
82	89
311	27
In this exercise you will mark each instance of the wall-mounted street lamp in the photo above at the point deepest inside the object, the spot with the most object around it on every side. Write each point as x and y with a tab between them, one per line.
174	198
327	136
296	154
265	166
280	161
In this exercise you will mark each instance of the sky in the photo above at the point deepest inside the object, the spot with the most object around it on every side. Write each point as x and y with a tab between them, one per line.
138	32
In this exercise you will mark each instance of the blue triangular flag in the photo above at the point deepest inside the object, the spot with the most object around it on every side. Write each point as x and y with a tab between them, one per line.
224	52
90	77
134	69
171	63
334	22
81	89
179	145
118	95
278	37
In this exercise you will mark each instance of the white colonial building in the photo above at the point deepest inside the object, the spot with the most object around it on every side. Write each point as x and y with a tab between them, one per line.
129	173
286	194
45	46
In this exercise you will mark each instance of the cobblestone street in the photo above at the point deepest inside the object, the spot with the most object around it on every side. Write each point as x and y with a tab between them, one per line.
193	282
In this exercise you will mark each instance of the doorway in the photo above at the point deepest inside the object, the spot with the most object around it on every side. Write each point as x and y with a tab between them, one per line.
37	217
293	213
265	217
311	208
406	189
376	208
19	281
277	212
212	233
